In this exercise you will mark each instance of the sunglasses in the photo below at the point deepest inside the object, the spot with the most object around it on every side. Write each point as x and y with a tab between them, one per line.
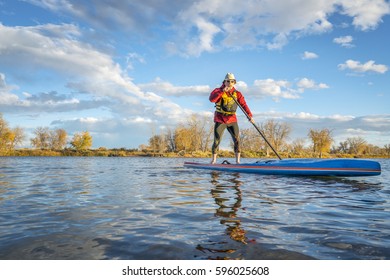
230	81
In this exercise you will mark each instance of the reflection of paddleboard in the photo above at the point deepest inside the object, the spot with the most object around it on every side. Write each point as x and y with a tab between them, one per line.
300	167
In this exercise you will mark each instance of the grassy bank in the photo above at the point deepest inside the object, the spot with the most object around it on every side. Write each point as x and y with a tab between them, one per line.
136	153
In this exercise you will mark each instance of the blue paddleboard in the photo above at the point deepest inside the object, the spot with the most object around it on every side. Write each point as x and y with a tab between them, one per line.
300	167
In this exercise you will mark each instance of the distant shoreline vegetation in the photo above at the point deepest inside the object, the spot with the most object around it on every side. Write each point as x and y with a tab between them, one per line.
192	139
103	152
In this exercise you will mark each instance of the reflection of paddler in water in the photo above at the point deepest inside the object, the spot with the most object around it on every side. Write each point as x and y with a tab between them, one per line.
228	197
227	208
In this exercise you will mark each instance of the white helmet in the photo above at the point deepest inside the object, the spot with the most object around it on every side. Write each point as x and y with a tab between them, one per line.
230	76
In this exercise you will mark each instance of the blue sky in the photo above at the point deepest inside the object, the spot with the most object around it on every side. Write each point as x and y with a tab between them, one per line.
127	70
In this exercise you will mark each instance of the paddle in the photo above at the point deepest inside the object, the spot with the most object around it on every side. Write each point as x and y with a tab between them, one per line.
257	128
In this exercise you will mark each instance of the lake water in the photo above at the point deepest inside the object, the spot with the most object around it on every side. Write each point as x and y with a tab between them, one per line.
154	208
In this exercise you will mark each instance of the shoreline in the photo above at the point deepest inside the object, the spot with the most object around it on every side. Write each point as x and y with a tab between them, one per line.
181	154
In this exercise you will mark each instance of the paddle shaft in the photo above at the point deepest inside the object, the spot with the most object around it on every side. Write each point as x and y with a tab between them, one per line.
257	128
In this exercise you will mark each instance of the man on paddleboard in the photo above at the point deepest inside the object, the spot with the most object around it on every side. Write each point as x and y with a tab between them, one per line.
225	99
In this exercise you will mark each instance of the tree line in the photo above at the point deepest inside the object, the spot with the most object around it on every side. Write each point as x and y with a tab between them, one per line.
45	139
196	136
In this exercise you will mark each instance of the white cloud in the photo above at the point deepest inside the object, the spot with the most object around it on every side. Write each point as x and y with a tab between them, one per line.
7	99
4	87
90	120
278	42
133	57
375	129
377	120
369	66
278	89
309	55
344	41
68	57
141	120
110	132
2	81
95	80
205	40
303	116
341	118
272	23
46	102
166	88
366	14
306	83
211	25
89	72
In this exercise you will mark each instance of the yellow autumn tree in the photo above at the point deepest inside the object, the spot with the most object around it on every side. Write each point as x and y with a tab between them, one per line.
9	137
322	141
82	141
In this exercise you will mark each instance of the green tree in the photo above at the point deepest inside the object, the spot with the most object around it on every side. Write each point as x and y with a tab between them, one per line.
82	141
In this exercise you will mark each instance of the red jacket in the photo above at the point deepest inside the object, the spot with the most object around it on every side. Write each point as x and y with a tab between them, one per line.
215	96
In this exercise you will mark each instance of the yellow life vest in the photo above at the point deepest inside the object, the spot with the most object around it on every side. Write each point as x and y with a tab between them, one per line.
226	105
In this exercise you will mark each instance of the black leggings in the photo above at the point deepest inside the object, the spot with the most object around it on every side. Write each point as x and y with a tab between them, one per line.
219	129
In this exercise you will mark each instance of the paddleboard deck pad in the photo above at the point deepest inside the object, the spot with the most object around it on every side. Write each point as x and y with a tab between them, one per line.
299	167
